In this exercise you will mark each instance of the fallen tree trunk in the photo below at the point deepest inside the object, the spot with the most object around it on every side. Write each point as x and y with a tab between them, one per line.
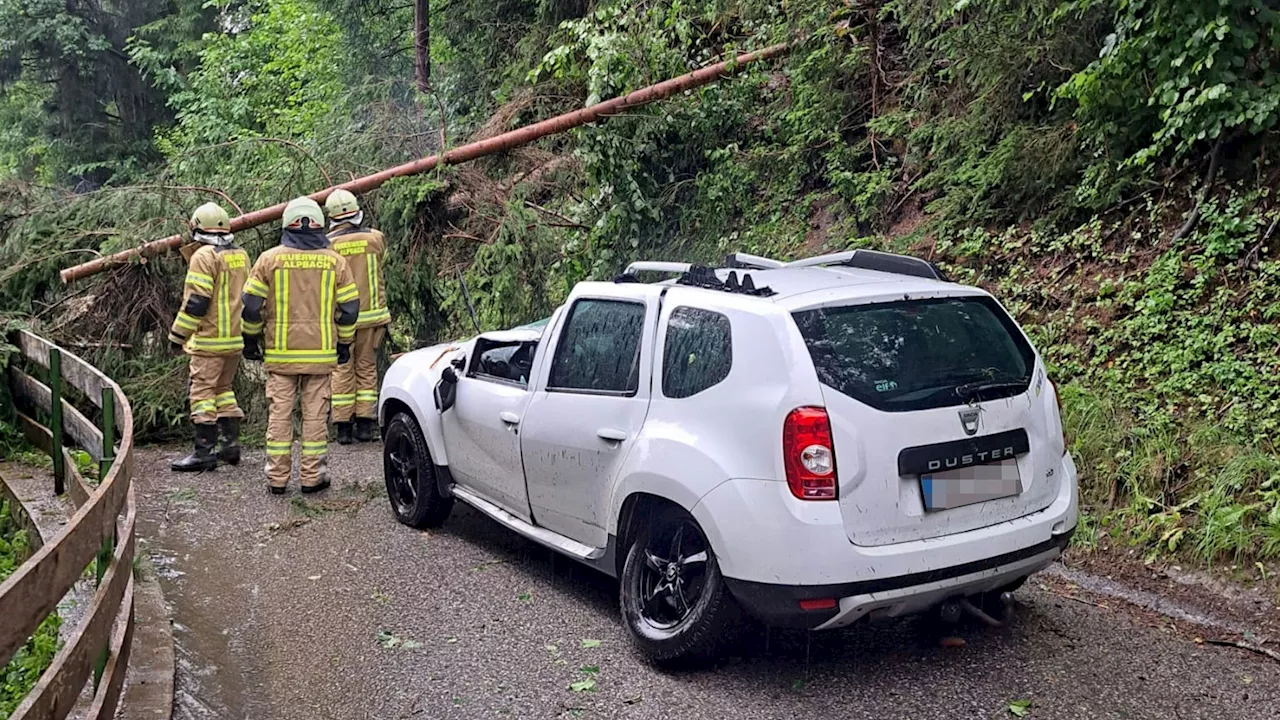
465	153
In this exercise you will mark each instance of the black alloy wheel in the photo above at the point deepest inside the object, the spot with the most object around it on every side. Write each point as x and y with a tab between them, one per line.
411	476
675	604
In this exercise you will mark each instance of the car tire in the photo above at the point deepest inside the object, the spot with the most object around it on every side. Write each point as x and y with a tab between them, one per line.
410	476
697	637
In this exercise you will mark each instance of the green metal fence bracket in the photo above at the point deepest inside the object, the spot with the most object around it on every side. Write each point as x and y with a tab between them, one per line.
108	433
55	421
109	546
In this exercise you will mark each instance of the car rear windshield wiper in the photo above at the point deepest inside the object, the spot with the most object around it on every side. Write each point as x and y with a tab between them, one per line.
968	390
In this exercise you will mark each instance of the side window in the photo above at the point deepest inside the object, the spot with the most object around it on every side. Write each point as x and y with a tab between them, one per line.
504	362
599	351
698	354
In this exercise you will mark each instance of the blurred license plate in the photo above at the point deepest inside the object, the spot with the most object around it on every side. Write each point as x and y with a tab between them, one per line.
966	486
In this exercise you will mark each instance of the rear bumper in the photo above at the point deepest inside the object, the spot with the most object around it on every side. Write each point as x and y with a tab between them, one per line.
775	551
779	605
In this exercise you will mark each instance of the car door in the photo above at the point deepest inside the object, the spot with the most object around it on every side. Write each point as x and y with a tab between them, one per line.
481	432
588	406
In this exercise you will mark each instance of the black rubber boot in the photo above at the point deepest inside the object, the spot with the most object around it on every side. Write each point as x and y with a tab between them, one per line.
344	433
322	485
364	429
229	440
202	458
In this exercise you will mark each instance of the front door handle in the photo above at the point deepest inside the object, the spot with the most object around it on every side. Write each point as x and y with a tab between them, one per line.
509	418
611	435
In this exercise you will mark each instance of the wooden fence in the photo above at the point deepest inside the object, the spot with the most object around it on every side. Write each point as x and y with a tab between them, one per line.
99	537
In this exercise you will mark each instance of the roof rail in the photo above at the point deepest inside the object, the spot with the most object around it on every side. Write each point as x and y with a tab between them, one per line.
747	261
878	261
657	266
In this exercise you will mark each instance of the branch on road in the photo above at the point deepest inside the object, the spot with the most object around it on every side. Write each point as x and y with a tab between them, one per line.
1266	652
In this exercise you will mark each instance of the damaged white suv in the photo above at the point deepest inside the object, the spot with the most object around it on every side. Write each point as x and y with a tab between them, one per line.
813	443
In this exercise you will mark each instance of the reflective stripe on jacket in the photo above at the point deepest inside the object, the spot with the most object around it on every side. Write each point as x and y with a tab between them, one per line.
218	274
302	290
364	250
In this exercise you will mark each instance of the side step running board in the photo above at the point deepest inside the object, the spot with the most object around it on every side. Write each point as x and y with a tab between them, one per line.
542	536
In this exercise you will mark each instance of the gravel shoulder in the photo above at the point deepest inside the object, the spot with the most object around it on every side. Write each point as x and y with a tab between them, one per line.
327	608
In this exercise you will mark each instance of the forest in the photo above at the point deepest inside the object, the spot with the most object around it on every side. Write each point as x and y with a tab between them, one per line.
1107	168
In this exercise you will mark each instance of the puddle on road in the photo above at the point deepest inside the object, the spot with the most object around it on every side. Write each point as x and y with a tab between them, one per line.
211	679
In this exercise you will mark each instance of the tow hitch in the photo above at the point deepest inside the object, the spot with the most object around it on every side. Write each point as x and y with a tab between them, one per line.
951	611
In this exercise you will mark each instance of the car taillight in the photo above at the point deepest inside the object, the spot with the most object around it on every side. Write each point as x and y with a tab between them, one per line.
809	455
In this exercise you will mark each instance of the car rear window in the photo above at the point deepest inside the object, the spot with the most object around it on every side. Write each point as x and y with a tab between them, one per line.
918	354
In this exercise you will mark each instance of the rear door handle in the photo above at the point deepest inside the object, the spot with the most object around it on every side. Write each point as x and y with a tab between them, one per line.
611	435
509	417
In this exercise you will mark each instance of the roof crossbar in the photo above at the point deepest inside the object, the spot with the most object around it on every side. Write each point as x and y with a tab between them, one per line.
747	261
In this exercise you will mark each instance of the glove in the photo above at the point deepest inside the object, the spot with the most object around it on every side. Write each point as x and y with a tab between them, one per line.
344	353
175	346
252	347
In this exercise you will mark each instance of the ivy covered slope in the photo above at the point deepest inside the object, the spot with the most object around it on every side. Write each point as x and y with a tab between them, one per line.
20	675
1106	167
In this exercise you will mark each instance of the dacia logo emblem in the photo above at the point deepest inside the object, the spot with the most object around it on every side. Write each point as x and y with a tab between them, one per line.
969	420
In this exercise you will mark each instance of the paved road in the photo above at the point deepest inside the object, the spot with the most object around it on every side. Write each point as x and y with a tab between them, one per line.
327	608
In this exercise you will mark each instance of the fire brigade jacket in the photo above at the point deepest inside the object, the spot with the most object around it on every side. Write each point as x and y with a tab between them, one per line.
209	322
301	298
364	249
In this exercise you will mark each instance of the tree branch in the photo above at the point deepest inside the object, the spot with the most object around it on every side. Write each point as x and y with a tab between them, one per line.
1215	157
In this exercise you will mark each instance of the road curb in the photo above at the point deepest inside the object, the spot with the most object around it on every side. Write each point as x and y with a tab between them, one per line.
148	691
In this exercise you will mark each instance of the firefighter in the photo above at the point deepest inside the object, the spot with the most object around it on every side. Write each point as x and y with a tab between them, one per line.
208	329
355	385
291	300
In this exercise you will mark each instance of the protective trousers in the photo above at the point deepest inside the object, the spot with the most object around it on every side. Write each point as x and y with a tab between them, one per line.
210	391
282	392
355	384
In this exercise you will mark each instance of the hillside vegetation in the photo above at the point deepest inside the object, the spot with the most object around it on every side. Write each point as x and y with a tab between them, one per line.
1106	167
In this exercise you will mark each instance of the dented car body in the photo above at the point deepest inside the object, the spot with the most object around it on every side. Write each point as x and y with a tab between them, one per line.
814	443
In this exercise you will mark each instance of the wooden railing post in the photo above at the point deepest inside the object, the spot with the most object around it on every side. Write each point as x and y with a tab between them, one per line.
105	516
55	421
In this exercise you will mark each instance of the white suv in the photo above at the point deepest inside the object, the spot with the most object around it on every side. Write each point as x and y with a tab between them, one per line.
816	442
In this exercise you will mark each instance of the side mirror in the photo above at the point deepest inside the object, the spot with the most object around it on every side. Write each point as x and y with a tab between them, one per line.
446	393
459	362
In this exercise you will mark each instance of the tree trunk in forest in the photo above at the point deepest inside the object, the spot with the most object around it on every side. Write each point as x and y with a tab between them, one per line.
422	44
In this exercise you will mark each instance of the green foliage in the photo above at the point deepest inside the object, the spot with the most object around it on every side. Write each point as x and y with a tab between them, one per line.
278	76
20	675
1175	72
1170	352
86	113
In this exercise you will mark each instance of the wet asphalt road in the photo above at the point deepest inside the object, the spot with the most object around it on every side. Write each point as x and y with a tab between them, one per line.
327	608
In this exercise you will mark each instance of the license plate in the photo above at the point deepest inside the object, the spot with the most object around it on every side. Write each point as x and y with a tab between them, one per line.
966	486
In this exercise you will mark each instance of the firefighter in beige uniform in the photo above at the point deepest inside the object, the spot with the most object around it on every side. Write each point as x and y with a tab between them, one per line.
355	385
208	329
294	294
